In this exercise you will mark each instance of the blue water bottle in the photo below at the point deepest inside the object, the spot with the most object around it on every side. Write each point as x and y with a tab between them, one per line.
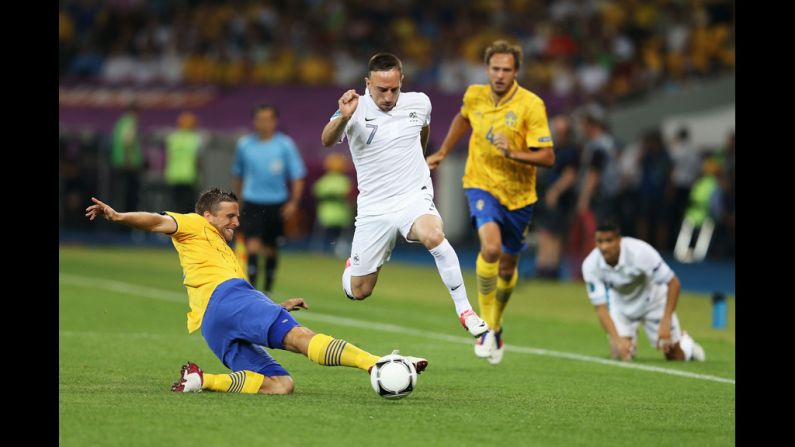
719	310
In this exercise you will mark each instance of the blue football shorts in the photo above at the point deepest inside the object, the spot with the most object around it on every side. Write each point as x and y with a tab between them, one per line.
485	208
239	321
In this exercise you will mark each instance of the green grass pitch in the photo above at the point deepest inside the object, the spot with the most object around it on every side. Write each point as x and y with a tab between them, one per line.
123	337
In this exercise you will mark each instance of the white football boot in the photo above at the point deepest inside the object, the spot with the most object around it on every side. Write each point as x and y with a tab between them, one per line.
484	345
191	378
419	363
473	323
499	348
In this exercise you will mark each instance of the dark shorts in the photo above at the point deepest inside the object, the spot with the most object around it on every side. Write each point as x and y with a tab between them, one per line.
484	208
556	220
239	321
262	221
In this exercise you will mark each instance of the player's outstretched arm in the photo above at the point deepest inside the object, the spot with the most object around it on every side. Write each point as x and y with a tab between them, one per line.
458	128
333	130
151	222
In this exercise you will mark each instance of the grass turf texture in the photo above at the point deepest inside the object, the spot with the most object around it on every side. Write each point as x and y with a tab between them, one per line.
123	337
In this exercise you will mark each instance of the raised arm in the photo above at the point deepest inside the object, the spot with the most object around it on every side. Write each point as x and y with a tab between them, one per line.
333	130
151	222
458	128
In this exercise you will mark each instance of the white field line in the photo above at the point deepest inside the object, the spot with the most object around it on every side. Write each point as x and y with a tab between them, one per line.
166	295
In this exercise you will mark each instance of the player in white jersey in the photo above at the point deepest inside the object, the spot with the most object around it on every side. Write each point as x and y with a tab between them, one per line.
629	283
387	134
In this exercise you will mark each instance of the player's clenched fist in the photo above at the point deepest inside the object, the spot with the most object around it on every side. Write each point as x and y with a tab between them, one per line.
348	103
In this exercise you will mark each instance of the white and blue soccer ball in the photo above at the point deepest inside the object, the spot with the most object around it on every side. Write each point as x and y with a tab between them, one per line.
393	377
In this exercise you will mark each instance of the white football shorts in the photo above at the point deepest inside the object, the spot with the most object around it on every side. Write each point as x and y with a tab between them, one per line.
375	236
628	326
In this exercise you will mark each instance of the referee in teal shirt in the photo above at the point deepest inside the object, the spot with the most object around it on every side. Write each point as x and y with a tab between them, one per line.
268	175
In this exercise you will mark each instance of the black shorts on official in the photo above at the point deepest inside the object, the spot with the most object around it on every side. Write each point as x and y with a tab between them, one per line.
263	221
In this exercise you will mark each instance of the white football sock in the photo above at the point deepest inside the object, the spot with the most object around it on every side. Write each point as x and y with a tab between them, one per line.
346	281
450	271
686	343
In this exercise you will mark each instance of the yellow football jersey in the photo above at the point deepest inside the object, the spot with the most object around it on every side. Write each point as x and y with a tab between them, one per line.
206	261
522	117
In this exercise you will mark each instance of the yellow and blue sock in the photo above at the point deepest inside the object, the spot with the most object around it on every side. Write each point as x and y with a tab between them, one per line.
328	351
504	290
247	382
486	273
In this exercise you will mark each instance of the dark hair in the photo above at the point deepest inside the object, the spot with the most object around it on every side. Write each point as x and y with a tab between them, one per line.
683	134
384	62
264	106
503	47
608	225
210	199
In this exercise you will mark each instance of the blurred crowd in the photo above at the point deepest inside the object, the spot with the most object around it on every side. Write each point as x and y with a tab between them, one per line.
650	187
576	50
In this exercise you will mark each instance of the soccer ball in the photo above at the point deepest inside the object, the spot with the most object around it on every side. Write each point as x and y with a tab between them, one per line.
393	377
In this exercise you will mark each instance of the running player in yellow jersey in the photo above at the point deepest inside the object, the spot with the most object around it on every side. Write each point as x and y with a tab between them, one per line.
236	320
510	138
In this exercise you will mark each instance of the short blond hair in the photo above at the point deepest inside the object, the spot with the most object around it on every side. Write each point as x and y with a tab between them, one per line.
504	47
